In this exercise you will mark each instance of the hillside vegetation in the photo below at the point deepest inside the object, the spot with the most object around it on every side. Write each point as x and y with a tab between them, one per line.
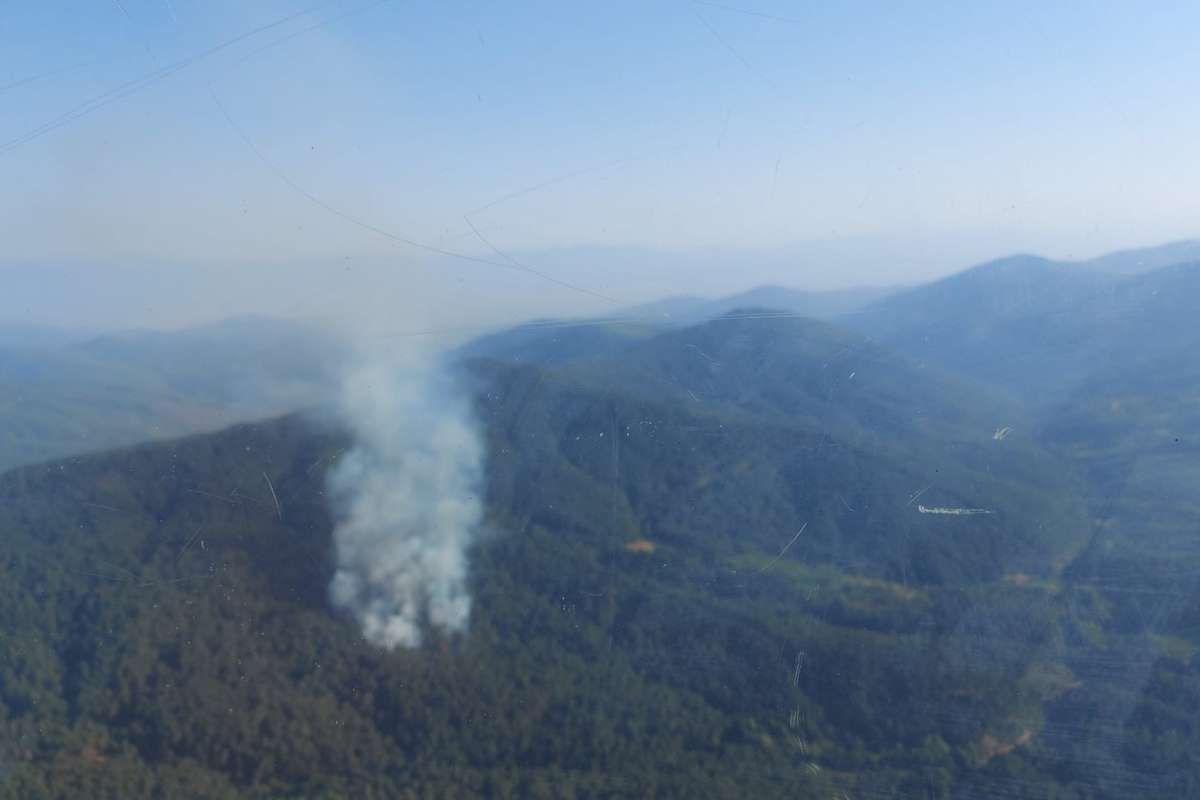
755	556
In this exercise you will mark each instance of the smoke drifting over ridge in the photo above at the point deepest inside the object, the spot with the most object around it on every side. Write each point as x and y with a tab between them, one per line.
407	502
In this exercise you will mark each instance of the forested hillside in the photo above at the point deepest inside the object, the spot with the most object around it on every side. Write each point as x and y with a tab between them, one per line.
712	598
696	400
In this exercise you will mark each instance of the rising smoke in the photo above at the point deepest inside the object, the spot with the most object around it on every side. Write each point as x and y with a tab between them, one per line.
407	502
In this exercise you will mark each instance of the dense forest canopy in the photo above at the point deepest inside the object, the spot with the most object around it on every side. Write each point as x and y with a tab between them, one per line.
708	570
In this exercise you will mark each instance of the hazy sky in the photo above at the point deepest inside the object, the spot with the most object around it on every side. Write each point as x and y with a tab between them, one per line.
164	161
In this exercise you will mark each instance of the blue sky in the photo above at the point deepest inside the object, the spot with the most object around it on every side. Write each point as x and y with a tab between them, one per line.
815	145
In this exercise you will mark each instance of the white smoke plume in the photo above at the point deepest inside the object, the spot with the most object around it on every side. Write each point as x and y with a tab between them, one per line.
407	496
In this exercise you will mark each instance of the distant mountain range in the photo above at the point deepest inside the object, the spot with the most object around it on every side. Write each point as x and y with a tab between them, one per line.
33	337
551	341
818	305
1039	328
1009	323
1146	259
63	393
